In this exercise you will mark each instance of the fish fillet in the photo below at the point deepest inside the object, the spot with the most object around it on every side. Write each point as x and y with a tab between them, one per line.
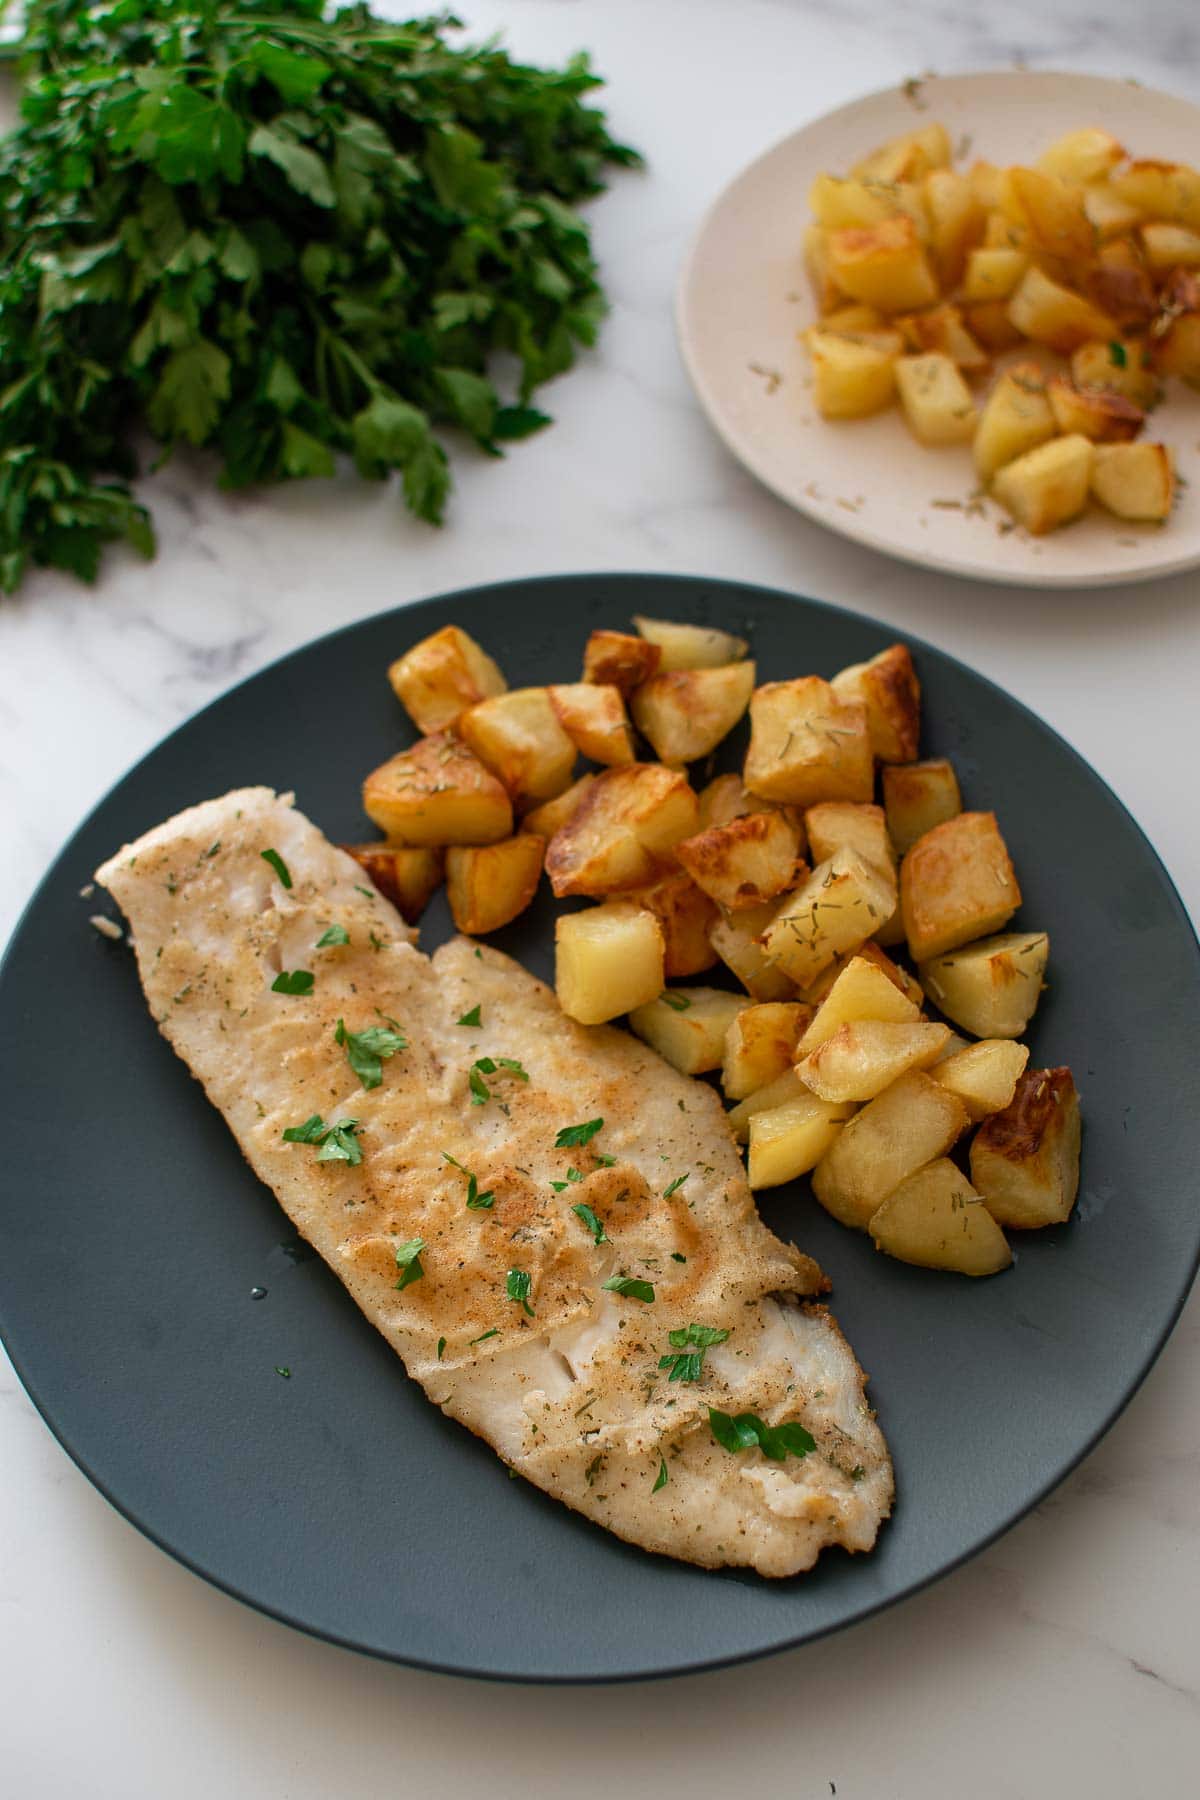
565	1382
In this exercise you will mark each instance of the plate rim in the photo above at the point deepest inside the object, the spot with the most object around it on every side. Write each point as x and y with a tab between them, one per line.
760	467
794	1640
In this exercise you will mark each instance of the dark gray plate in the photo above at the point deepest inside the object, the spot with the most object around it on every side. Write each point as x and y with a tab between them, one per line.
132	1233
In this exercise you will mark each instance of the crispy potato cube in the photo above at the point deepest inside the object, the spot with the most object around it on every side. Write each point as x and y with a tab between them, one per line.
835	202
437	792
984	178
956	883
884	265
1052	208
1175	336
1135	481
895	1134
618	659
594	718
936	1220
1108	215
441	676
990	988
1049	485
916	797
835	910
887	686
520	739
790	1139
867	1055
760	1045
726	797
942	330
552	815
686	712
851	380
736	938
1119	366
955	221
936	400
862	990
687	1026
861	827
993	272
787	1086
983	1075
408	878
1016	417
1051	314
489	884
988	320
807	744
1093	413
1160	189
607	960
818	991
690	646
852	317
1082	155
686	915
624	826
827	296
1170	246
1025	1160
745	863
907	158
1121	286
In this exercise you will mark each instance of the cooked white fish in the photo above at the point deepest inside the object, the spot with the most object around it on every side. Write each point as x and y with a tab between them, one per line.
503	1314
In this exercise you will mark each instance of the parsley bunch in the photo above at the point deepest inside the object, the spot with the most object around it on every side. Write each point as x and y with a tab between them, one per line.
283	234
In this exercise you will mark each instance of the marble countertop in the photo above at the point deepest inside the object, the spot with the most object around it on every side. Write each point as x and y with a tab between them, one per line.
1063	1661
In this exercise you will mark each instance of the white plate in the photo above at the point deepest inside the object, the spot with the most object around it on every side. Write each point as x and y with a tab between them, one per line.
743	297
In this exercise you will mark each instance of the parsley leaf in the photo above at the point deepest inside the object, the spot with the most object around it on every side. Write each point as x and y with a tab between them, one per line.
476	1201
743	1431
336	935
311	1132
481	1093
367	1051
630	1286
440	1347
485	1335
662	1477
675	1000
690	1343
338	1143
594	1225
293	981
280	867
573	1137
408	1261
517	1285
1118	356
471	1018
674	1186
573	1175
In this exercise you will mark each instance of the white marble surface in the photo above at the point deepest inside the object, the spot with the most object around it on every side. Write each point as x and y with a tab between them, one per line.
1066	1660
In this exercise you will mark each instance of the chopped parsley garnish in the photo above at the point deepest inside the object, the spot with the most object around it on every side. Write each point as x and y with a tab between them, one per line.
1118	356
662	1477
408	1261
471	1018
481	1093
475	1200
441	1347
675	1000
337	934
677	1256
674	1186
573	1137
212	850
630	1286
338	1143
280	867
743	1430
594	1225
366	1051
485	1335
282	1369
293	981
573	1175
367	893
603	1158
691	1341
517	1285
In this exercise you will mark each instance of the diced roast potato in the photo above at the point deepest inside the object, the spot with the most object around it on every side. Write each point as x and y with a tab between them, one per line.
835	910
1119	366
624	826
851	380
441	676
726	797
916	797
1122	286
884	265
686	915
807	744
936	1220
1049	485
862	827
1162	190
1016	417
936	400
906	1126
1108	215
489	884
618	659
1025	1160
907	158
683	646
1052	210
818	991
736	940
593	716
1082	155
988	320
955	222
687	1026
1175	338
1135	481
888	687
437	792
787	1086
984	1075
408	878
1170	247
1052	314
990	988
552	815
993	271
1095	413
686	712
863	1058
835	202
790	1139
747	862
956	883
760	1045
862	990
607	960
520	739
825	291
